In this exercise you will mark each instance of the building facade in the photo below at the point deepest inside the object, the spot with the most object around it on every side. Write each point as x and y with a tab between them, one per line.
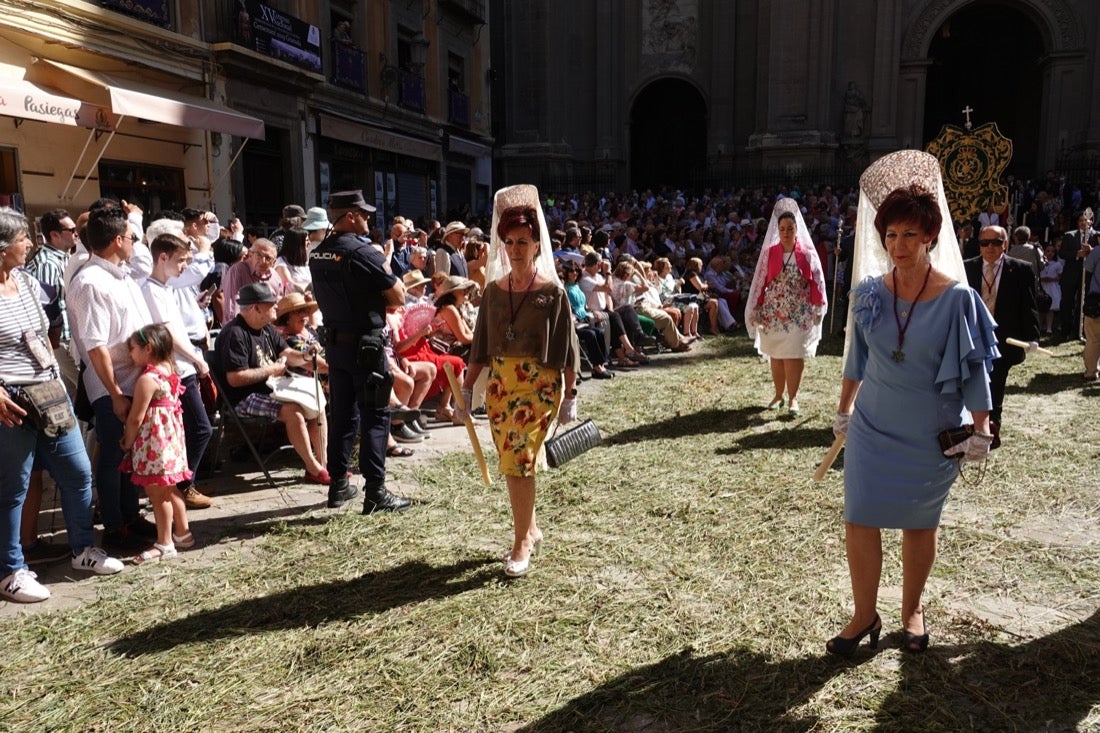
637	93
242	107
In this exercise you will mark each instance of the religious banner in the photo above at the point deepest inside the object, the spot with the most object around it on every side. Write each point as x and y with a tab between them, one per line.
972	160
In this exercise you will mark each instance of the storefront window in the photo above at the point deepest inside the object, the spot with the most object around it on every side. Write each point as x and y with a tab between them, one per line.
153	188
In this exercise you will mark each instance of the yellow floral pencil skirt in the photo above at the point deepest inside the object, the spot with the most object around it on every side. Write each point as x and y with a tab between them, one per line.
521	399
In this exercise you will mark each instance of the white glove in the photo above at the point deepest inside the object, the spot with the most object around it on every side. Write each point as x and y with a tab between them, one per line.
840	424
463	412
568	411
972	450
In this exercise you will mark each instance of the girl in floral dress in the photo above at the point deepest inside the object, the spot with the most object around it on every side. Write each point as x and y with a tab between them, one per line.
156	453
786	301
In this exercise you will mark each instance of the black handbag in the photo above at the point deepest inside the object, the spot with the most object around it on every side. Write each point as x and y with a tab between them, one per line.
1091	306
954	436
563	448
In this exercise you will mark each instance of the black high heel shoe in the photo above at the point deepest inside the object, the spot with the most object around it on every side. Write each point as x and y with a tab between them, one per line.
844	646
917	643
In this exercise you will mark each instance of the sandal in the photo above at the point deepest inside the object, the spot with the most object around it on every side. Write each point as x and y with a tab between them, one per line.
444	415
156	553
183	541
398	451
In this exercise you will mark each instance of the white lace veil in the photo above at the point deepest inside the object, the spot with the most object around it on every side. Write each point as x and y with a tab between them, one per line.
887	174
498	265
771	239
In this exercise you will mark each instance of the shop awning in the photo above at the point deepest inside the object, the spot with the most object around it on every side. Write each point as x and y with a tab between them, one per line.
129	98
20	98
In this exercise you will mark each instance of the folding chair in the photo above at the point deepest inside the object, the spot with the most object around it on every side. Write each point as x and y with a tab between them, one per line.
242	424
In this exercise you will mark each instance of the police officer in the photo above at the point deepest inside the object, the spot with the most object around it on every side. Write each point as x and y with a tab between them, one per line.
353	286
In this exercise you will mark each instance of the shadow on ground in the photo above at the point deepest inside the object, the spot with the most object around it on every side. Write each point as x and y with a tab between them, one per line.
310	606
1049	684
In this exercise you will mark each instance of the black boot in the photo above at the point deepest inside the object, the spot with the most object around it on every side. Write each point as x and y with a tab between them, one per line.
379	499
340	491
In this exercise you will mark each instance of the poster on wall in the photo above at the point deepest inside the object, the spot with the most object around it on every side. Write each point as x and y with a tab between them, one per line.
265	30
432	203
379	192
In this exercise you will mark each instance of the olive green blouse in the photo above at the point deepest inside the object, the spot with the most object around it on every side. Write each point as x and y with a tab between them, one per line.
541	328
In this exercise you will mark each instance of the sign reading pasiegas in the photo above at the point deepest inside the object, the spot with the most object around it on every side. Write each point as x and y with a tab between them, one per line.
265	30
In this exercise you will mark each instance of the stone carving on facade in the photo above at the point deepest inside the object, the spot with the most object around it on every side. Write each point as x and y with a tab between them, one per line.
857	114
669	35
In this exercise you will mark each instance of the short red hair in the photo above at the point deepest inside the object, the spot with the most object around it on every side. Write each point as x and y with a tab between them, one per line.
517	217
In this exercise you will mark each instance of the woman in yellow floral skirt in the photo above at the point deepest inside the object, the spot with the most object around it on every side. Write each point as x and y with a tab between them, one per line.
526	337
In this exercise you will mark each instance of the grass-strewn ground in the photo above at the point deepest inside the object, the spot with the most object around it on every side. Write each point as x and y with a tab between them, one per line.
690	576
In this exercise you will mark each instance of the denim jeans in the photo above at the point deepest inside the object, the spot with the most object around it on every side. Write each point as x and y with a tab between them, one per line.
118	497
67	462
196	425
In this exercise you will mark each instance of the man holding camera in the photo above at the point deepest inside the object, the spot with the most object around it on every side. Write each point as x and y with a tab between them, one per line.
353	286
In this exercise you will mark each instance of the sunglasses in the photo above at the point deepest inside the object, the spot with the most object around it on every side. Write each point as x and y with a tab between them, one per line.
70	230
990	242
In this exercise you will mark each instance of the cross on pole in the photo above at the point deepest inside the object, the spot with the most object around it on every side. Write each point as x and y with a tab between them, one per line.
966	111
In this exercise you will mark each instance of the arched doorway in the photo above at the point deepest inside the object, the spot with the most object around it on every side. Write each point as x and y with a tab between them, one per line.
668	135
987	56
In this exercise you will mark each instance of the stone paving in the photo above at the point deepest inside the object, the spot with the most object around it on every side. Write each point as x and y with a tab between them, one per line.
244	503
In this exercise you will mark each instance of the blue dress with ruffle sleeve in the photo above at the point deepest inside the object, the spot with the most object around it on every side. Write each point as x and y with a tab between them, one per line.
895	474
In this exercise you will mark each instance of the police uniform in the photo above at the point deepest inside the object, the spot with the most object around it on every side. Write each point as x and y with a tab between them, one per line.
349	277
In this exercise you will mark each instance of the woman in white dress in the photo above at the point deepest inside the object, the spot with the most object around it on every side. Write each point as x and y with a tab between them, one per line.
786	301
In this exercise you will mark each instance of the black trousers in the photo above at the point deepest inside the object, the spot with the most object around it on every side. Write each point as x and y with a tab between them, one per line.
351	417
196	425
998	377
593	344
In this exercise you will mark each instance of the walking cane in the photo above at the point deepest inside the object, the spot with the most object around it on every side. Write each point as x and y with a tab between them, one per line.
456	390
1081	307
827	461
322	419
836	278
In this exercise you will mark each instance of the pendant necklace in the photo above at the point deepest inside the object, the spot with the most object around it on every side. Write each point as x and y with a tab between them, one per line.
899	355
513	312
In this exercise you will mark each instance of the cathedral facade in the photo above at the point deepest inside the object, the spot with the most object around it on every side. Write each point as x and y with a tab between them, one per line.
624	94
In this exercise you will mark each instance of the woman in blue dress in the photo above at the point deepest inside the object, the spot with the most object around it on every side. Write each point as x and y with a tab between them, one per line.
921	344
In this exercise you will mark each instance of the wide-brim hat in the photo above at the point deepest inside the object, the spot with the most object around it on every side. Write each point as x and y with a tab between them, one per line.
453	227
293	210
254	294
293	303
316	218
349	200
412	278
452	283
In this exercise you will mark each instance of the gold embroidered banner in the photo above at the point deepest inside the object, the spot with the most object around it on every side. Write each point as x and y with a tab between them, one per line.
972	162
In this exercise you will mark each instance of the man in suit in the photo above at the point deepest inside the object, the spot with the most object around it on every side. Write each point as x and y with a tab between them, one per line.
1007	287
1075	246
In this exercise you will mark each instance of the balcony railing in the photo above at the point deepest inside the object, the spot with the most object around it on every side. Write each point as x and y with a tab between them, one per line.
459	108
412	91
475	9
349	67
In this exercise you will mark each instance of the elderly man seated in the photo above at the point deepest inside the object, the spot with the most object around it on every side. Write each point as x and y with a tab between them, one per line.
249	351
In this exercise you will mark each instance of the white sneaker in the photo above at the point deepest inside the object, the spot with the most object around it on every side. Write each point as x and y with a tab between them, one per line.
22	587
95	560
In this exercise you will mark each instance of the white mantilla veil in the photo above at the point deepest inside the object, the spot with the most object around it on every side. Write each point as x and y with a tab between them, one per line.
498	265
804	243
887	174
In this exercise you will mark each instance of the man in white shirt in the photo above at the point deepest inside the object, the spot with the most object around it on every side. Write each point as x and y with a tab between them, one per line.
105	307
